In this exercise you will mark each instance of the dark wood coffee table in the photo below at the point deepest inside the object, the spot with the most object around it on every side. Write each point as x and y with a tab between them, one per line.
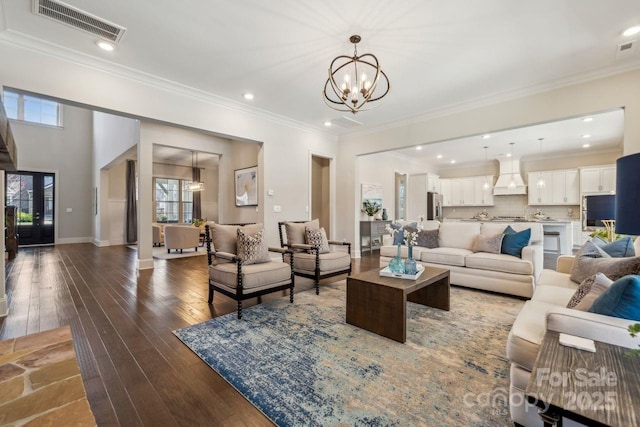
379	304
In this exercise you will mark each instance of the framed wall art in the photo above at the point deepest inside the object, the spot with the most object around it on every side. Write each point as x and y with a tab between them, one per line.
246	185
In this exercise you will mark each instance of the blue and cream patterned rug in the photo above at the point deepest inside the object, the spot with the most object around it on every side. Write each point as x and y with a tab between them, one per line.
301	364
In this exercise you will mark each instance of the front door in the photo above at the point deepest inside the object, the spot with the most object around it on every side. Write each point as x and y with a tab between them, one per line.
32	193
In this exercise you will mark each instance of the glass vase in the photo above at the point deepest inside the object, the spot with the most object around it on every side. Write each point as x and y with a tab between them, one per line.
396	266
410	266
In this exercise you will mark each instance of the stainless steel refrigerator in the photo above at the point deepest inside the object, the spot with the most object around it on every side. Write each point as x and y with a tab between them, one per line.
434	206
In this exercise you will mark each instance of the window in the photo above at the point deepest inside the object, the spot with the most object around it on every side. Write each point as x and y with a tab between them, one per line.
32	109
173	202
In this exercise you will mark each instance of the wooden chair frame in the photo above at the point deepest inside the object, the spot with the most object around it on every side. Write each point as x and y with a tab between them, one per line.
239	295
316	276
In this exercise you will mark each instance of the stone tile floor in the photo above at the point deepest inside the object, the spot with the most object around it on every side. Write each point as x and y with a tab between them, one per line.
40	382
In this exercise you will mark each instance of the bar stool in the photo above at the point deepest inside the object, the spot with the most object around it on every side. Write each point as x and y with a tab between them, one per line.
555	234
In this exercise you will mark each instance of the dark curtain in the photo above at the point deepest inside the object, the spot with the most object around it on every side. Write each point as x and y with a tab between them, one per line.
197	205
132	206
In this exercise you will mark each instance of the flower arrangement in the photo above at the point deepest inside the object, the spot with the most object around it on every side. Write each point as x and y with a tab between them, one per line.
371	207
197	222
410	237
634	331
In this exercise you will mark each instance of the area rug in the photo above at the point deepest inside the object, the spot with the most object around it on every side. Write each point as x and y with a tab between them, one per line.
160	252
301	364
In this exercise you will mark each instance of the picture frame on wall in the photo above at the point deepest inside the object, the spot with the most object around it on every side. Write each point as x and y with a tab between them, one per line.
246	186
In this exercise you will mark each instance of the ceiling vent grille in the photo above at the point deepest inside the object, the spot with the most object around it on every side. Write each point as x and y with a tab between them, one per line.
626	50
346	122
76	18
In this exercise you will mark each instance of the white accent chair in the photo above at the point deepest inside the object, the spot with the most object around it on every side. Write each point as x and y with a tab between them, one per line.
181	237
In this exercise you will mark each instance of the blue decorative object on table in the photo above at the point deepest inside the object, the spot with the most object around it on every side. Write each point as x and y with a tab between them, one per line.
410	266
396	265
384	214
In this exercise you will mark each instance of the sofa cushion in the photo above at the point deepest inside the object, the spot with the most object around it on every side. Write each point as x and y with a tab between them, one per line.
460	235
252	249
428	238
590	288
617	249
450	256
553	295
537	232
557	279
514	241
621	299
329	262
489	244
295	231
499	262
317	238
614	268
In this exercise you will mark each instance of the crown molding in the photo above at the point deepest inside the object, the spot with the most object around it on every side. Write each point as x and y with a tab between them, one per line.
43	47
497	98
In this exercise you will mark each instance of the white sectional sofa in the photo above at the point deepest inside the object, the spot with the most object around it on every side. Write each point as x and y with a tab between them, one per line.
494	272
547	311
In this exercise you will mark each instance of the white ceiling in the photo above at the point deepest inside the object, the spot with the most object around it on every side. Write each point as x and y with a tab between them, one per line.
437	54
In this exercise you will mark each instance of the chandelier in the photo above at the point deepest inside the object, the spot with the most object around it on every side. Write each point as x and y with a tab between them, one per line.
196	184
353	81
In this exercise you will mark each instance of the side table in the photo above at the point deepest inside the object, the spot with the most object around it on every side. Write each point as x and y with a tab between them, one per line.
595	389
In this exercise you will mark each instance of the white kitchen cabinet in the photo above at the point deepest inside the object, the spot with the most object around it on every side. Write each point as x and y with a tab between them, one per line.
577	233
561	187
600	179
433	183
483	197
445	190
457	195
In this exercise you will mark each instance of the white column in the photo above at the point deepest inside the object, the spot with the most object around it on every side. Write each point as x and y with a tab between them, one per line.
3	295
145	208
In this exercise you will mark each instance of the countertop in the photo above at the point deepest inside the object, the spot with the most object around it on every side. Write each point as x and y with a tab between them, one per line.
549	221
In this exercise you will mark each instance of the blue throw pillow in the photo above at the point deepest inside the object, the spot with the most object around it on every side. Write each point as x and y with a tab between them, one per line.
398	236
513	242
621	299
620	248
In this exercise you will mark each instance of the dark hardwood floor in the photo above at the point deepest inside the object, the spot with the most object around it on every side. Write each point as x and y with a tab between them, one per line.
135	371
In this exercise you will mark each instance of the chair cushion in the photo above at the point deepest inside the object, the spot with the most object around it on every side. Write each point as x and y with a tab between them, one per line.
450	256
586	265
318	238
225	237
253	275
329	262
252	249
617	249
460	235
513	241
590	289
295	231
621	299
499	262
489	244
427	238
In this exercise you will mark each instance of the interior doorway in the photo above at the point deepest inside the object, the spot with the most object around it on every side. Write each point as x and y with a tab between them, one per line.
321	191
32	193
401	195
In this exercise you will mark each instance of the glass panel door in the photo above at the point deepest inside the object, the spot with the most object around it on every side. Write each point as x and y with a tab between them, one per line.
32	193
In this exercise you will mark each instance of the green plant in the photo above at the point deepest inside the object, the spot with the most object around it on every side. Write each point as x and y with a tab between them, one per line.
634	331
25	217
604	235
370	207
197	222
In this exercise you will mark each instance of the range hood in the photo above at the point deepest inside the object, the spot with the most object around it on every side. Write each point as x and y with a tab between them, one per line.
509	171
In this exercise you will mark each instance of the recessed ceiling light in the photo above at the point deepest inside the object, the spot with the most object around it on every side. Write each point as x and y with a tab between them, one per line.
248	96
486	136
327	123
419	147
508	154
586	145
439	156
587	119
586	136
105	45
632	31
453	161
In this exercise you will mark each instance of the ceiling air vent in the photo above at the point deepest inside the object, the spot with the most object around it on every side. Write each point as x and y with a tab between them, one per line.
626	49
76	18
346	122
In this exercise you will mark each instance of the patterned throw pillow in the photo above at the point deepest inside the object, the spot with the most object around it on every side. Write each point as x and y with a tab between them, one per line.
590	288
318	238
428	238
489	244
588	263
252	249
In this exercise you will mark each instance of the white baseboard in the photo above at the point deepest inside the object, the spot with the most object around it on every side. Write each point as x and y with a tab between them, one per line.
144	264
68	240
356	254
101	243
3	306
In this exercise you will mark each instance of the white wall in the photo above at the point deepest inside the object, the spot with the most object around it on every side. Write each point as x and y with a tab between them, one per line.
622	90
66	151
242	155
